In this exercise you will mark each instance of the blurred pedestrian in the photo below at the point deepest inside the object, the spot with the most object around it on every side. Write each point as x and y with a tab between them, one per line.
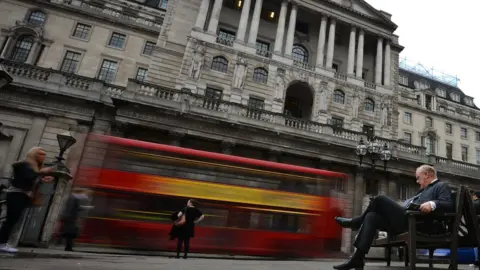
27	174
185	226
70	218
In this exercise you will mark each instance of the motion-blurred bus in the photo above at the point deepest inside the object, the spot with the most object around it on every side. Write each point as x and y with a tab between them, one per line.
251	207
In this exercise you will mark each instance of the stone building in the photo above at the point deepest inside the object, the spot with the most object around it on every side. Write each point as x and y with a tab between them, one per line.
297	82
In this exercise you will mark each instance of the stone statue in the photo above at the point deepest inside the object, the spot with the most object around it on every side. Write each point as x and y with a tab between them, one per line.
279	84
384	114
323	96
197	61
355	104
240	73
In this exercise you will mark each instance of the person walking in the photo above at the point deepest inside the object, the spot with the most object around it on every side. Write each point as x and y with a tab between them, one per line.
185	226
77	203
27	174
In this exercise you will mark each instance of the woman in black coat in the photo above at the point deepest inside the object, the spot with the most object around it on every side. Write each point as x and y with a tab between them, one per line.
186	231
26	176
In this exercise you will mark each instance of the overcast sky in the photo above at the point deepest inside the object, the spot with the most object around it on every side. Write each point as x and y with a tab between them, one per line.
442	34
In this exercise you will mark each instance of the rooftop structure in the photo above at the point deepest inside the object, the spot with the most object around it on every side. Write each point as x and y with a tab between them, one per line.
420	69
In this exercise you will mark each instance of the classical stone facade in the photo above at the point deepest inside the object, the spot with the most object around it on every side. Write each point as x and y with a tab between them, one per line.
300	87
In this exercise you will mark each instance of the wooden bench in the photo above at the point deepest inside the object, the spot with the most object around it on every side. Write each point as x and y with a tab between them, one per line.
449	238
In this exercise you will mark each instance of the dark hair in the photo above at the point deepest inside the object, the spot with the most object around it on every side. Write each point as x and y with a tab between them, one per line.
193	202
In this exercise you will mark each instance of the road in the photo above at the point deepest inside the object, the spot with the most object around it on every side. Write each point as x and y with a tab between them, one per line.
60	261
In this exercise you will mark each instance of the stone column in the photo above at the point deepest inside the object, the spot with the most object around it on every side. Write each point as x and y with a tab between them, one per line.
213	24
291	30
361	37
321	41
359	193
281	28
252	38
202	15
351	51
331	43
387	66
378	64
33	52
242	26
7	46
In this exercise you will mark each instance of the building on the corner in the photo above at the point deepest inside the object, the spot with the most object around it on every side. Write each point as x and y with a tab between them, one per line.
296	82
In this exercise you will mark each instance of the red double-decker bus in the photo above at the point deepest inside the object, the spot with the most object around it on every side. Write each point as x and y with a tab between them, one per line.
251	207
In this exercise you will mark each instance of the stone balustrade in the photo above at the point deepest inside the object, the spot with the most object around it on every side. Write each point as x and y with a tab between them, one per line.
57	82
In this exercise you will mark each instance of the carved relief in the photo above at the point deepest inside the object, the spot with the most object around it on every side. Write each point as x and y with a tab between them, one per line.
240	73
197	61
384	108
355	103
279	84
323	97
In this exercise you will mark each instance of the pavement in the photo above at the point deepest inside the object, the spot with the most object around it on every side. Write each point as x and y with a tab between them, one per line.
54	258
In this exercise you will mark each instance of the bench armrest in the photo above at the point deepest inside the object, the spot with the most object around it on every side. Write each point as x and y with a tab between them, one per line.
433	215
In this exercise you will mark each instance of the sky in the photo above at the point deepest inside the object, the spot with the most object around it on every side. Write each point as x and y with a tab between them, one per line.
442	34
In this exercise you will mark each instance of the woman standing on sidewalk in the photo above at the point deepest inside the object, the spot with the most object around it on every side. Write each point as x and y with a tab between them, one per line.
26	175
186	231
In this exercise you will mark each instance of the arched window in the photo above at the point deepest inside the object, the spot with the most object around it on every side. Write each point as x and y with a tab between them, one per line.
300	54
369	105
22	49
428	122
36	18
220	63
260	75
339	97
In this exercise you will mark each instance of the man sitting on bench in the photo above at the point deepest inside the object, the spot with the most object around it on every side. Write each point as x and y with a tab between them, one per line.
385	214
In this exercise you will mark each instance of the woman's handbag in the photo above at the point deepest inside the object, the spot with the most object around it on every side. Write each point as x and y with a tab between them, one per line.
181	221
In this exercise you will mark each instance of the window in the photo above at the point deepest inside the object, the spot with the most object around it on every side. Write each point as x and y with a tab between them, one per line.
70	62
369	105
478	157
442	109
141	74
255	105
226	37
260	75
463	133
403	80
108	71
335	67
449	150
407	137
448	128
22	49
464	154
117	40
263	48
371	186
455	97
337	122
468	101
36	18
220	64
163	4
477	136
407	118
428	122
338	97
428	102
403	192
212	98
299	54
82	31
441	92
429	143
148	48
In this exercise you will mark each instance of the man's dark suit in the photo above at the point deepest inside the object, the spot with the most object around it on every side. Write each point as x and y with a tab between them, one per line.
387	215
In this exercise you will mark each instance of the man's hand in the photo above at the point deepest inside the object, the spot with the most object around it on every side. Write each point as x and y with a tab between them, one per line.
46	170
47	179
426	207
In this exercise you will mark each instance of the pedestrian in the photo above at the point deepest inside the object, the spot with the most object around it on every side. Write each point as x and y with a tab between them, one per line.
27	174
70	218
184	227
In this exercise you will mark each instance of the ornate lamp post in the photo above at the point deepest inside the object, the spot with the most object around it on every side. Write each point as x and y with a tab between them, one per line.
374	150
65	141
5	78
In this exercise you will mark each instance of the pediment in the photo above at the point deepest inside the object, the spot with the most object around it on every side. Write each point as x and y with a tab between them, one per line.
365	9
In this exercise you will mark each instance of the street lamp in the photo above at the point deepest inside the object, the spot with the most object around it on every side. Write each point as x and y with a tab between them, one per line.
65	141
373	149
5	77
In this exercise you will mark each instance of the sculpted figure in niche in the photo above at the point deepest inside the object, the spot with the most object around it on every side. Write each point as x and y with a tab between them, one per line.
384	114
197	61
355	104
279	84
240	73
323	96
